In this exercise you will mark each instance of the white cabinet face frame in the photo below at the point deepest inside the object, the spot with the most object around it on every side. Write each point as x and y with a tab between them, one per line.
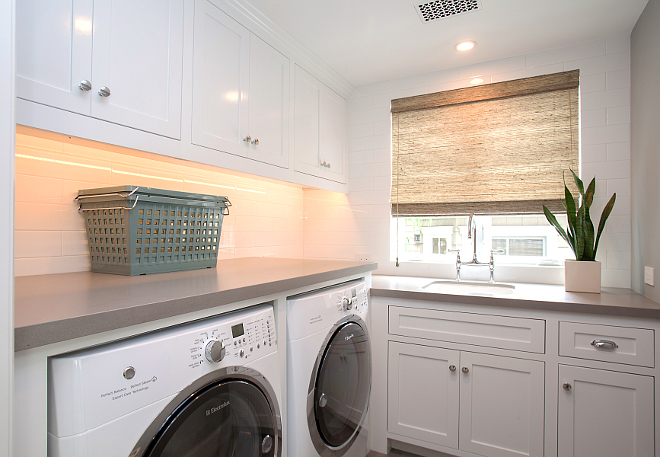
221	59
54	52
423	393
268	102
138	55
502	405
605	413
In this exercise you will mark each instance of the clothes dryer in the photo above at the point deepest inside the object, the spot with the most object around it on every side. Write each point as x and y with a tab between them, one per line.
210	388
328	372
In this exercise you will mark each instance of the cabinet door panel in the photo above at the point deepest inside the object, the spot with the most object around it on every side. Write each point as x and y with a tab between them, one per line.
220	80
268	104
138	55
332	134
54	52
423	393
605	413
502	406
306	122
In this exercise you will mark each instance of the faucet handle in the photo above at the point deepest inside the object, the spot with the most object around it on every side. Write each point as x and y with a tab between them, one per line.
458	253
495	251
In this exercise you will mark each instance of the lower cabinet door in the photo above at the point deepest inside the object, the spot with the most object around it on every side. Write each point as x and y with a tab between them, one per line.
502	405
423	393
605	413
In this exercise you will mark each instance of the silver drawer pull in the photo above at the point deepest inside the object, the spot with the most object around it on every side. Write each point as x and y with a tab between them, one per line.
604	344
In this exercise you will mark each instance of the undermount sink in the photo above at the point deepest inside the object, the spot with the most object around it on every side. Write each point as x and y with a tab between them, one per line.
468	287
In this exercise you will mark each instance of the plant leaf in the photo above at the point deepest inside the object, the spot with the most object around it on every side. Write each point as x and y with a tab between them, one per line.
578	183
579	234
571	217
603	217
553	221
589	194
588	236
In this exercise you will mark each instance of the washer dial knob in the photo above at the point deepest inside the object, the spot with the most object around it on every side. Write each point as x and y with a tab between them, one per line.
215	351
346	303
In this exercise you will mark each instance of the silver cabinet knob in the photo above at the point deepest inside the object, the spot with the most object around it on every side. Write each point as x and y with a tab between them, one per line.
255	142
567	386
85	85
104	91
247	139
452	368
215	351
604	344
465	369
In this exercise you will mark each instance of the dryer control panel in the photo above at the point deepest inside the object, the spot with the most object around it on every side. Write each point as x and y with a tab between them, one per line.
112	380
311	312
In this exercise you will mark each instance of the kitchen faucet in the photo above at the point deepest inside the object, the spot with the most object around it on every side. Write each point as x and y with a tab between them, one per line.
472	234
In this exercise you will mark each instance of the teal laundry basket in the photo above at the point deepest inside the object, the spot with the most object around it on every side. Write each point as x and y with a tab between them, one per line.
139	230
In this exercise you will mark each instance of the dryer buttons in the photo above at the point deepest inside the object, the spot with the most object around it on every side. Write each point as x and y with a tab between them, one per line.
129	373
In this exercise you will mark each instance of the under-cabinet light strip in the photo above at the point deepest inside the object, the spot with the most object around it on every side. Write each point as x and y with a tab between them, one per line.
130	173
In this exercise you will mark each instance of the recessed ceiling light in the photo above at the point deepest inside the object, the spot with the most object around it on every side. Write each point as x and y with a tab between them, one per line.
465	45
476	81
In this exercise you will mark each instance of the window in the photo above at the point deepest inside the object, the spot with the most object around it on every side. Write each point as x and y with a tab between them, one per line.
497	150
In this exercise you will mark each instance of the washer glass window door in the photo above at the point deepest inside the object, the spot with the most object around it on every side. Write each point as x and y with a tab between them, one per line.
343	384
224	419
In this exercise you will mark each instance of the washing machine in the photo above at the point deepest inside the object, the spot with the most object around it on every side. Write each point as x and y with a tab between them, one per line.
328	372
210	388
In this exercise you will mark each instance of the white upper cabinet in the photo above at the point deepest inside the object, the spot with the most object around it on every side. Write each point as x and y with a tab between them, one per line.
319	128
115	60
268	104
138	57
54	52
220	80
240	90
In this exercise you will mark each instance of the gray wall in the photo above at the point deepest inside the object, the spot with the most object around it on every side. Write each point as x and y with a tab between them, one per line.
645	148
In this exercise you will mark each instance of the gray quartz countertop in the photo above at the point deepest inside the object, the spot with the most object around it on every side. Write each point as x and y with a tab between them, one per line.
59	307
611	301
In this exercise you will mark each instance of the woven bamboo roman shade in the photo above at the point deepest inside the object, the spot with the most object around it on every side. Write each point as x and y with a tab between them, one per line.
493	149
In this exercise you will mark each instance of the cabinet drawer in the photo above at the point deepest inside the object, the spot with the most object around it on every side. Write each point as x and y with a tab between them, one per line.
501	332
607	343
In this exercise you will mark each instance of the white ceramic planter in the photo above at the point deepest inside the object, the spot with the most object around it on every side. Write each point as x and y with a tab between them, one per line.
582	276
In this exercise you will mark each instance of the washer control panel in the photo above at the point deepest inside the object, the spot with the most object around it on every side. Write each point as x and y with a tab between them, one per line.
352	300
237	340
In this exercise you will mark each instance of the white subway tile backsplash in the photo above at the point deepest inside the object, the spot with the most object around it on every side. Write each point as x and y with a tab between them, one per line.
618	79
360	103
619	186
617	44
383	128
600	64
593	118
615	278
618	151
266	217
593	83
593	153
553	56
606	99
618	115
527	73
360	130
492	68
617	133
358	157
370	115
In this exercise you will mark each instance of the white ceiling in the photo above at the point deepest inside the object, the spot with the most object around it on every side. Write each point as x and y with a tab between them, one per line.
368	41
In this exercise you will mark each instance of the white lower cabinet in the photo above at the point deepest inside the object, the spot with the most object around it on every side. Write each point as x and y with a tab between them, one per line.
605	413
485	404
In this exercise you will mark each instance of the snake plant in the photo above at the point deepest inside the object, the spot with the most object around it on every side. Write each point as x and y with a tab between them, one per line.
580	231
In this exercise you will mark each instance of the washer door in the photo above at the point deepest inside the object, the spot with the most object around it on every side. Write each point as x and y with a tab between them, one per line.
341	389
229	417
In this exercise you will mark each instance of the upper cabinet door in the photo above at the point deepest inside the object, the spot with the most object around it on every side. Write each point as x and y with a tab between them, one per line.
268	104
332	134
220	80
54	52
138	60
307	95
319	128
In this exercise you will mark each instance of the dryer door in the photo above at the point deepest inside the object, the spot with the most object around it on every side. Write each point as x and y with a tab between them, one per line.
227	418
341	389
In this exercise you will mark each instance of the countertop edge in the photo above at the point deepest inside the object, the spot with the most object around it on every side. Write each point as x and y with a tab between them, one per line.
520	303
42	334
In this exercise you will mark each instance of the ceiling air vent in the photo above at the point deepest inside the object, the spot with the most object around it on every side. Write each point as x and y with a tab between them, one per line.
439	9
